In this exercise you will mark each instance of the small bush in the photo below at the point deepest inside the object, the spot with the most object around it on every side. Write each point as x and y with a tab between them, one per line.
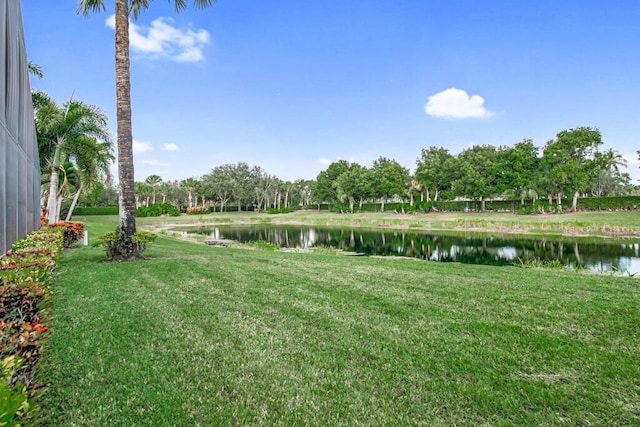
73	232
280	211
198	210
141	238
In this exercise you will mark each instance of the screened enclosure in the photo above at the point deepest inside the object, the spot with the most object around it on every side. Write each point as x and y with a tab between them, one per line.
19	162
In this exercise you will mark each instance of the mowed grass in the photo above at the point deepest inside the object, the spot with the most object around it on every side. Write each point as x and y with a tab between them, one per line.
197	335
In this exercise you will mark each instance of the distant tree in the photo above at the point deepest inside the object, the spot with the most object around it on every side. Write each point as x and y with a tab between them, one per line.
192	186
608	178
354	185
435	170
571	164
154	181
414	186
142	190
517	168
303	190
478	173
388	179
242	186
219	184
327	182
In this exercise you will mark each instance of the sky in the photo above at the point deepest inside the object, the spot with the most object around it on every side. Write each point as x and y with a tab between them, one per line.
294	85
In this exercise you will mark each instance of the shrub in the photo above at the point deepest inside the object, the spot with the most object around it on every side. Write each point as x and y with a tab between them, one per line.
157	209
280	211
197	210
73	232
141	239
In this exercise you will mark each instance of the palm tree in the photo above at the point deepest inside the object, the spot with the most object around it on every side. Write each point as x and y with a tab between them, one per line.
35	70
154	181
125	249
64	133
192	186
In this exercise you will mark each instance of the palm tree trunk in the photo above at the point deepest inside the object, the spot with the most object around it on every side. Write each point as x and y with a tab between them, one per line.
124	249
52	207
53	196
73	202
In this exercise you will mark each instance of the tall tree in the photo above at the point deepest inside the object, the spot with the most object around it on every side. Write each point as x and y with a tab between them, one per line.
354	185
219	184
517	169
125	249
435	170
326	188
389	179
571	163
478	173
67	133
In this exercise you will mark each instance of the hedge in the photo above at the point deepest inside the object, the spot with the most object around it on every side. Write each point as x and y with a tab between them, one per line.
157	209
102	210
584	204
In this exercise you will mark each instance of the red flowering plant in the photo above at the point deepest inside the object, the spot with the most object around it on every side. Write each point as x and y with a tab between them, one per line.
73	231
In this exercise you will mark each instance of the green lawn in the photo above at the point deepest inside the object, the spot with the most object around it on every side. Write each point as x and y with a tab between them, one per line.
197	335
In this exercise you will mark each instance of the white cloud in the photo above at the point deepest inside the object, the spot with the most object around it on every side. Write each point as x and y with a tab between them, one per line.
325	161
154	163
141	147
171	147
163	40
456	104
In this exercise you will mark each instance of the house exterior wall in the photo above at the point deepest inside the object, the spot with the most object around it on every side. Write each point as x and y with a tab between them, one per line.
19	161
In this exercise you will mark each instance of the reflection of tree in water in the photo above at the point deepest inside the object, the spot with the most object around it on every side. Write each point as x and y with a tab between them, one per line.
445	248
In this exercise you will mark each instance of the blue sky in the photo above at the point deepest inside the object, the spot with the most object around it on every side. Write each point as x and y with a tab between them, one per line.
292	85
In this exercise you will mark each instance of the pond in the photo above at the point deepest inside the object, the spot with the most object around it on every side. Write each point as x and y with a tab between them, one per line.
594	254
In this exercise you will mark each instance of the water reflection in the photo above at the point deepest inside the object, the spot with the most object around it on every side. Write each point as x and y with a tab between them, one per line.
602	256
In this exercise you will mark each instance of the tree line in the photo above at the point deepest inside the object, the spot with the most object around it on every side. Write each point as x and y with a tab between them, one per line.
571	165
